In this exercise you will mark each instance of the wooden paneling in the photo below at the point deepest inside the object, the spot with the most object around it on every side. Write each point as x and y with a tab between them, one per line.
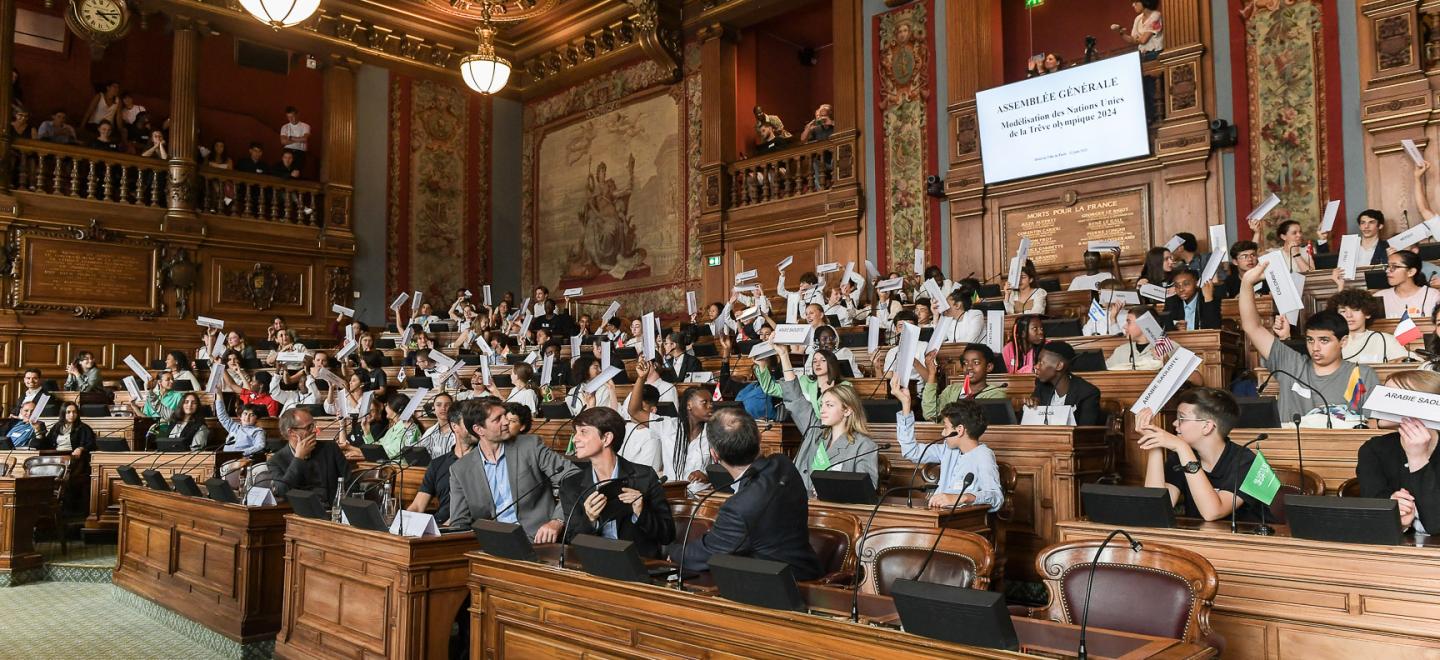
41	354
221	565
22	499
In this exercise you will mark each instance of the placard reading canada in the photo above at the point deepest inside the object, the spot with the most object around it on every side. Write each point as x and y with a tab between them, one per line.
1076	117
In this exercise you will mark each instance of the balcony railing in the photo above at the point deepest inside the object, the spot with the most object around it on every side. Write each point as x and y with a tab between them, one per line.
77	172
792	172
258	197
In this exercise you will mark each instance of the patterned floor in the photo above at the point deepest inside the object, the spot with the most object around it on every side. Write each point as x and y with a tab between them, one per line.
41	622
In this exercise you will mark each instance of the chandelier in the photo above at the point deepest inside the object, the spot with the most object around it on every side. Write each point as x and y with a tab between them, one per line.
484	71
280	13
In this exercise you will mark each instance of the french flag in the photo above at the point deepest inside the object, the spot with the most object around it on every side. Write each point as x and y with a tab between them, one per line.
1405	330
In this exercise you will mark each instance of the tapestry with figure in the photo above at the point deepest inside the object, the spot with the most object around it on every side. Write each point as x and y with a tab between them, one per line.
903	46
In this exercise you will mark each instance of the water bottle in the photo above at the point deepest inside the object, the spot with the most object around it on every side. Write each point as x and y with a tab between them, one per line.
389	504
339	493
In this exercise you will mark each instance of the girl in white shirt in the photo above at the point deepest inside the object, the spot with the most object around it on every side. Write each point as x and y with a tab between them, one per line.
1408	292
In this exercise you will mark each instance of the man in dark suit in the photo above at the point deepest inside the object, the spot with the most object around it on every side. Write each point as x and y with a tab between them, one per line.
520	467
769	515
305	463
676	365
638	511
1055	385
1195	306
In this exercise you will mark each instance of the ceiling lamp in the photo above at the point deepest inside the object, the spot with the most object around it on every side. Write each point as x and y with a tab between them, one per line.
484	71
281	13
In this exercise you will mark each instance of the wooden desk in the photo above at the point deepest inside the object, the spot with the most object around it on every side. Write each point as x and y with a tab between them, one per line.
218	564
533	610
407	482
894	513
1329	453
1282	597
1221	350
1050	464
104	512
360	594
21	501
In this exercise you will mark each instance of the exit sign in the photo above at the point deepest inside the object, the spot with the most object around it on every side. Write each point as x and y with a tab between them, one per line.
1034	3
712	261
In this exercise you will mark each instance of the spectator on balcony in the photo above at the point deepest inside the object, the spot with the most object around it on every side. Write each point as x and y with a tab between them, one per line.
287	167
129	109
820	128
137	133
1041	65
1148	30
105	137
20	126
56	130
254	163
219	159
157	146
17	97
295	136
105	106
770	133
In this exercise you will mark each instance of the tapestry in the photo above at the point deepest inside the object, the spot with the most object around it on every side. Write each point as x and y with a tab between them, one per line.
1285	68
902	46
439	198
611	192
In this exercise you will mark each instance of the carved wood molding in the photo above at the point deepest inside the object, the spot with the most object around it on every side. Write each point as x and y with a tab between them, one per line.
653	28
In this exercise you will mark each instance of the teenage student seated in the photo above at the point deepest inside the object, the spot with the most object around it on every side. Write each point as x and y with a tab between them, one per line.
1198	464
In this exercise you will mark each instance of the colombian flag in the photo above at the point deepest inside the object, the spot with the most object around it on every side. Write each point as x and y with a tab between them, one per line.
1354	390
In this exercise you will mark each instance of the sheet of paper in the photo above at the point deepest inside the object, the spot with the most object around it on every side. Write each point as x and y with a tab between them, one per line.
1394	404
1220	242
690	306
259	496
1101	246
933	289
785	263
792	334
606	375
892	284
414	525
1174	243
827	268
485	291
604	355
399	300
547	369
219	348
792	308
746	276
920	262
213	385
484	346
575	346
1168	380
1410	148
872	334
1211	267
1349	255
908	346
40	403
1332	208
441	360
363	408
525	327
1264	208
647	344
1018	262
138	368
944	327
610	313
415	301
995	330
207	322
415	401
485	373
1153	292
1282	286
133	389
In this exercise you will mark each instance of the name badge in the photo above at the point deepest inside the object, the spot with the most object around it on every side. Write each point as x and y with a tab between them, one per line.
1300	389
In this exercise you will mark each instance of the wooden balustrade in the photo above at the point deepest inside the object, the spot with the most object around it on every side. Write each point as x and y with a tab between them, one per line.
257	197
78	172
792	172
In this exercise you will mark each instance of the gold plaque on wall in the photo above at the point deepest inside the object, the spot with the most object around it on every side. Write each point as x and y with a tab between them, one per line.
1060	231
87	273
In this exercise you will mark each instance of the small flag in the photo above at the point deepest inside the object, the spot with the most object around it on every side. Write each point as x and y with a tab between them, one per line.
1164	347
1405	330
716	396
1261	482
1355	390
965	391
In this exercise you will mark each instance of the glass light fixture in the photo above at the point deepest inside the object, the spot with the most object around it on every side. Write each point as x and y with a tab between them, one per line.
484	71
280	13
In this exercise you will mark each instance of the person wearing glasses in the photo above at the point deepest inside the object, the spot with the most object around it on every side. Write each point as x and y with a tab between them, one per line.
305	463
1408	292
1198	464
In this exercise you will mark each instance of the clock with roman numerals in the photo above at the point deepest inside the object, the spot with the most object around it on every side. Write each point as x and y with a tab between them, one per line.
99	21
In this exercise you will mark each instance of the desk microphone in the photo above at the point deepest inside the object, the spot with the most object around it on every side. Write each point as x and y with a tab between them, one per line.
685	540
1329	423
919	462
565	524
1085	616
860	546
516	500
879	447
1235	488
969	479
1300	450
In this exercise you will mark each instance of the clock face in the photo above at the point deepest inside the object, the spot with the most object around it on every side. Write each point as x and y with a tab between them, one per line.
101	15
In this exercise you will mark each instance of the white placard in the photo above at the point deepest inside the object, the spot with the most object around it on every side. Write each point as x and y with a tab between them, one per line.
944	326
700	377
1018	262
604	355
575	346
1072	118
485	373
606	375
139	369
870	270
350	331
415	401
547	369
1282	286
259	496
1150	327
1394	404
415	301
746	288
892	284
207	322
647	345
350	347
1349	255
746	276
1174	243
531	357
1409	237
1220	242
573	293
1047	416
219	348
133	389
762	350
827	268
363	408
290	357
525	326
1433	224
1153	292
1264	208
414	524
1101	246
785	263
341	309
792	308
1125	297
995	330
1332	208
749	314
213	385
484	346
330	377
792	334
908	345
441	360
933	289
399	300
920	262
485	291
1168	380
40	403
1211	267
1414	152
690	306
872	334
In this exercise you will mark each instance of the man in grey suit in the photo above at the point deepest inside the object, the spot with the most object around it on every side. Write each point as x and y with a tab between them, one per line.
512	475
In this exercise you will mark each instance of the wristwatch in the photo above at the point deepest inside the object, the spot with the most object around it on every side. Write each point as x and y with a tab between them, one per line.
1192	467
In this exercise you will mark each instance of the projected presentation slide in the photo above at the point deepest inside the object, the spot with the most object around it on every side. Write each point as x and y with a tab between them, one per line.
1073	118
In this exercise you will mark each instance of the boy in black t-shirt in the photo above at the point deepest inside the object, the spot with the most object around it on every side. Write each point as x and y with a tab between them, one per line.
1200	467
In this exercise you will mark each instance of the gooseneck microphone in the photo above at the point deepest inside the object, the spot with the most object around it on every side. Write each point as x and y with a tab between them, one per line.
965	486
1235	487
1089	585
860	546
920	462
685	540
1329	422
1300	449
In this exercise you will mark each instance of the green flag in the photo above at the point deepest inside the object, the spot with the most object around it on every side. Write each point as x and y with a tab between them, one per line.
1261	482
821	460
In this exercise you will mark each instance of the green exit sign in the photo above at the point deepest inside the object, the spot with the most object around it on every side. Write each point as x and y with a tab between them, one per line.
712	261
1034	3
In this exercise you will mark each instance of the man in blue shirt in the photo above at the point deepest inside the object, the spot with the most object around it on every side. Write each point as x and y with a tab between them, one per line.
636	510
507	477
959	454
23	433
